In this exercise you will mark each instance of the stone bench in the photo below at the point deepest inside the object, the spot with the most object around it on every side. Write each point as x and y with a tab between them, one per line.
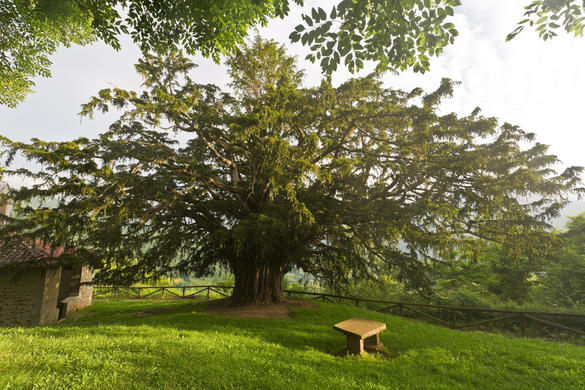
361	334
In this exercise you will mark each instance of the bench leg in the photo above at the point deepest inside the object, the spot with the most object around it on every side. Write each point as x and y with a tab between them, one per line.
373	343
355	345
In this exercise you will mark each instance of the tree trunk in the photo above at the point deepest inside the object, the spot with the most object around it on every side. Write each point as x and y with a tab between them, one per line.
258	284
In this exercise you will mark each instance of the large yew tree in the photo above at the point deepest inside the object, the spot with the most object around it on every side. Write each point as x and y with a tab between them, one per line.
342	182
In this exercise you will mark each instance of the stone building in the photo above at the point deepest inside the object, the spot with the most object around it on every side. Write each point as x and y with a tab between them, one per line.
34	288
5	207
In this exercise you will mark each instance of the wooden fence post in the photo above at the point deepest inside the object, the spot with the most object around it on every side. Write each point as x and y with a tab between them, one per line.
163	293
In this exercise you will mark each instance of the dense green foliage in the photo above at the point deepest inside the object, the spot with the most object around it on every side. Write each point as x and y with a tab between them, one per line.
498	278
494	276
555	281
352	181
395	34
109	347
30	31
564	278
548	16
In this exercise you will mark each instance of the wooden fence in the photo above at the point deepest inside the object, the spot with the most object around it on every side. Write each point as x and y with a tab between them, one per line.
183	292
454	317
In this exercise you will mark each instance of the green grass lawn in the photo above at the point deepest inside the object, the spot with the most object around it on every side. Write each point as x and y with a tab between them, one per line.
109	347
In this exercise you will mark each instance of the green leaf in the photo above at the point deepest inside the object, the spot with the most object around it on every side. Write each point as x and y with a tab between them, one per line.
315	15
407	4
333	14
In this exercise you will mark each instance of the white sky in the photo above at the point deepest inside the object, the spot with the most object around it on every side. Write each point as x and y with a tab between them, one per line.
527	82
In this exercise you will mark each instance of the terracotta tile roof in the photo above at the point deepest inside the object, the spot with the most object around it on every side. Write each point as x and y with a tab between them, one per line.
28	252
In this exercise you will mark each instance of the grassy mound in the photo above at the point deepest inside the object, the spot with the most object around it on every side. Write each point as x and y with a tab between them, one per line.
170	345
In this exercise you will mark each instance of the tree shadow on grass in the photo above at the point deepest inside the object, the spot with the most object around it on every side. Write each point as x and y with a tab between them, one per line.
308	329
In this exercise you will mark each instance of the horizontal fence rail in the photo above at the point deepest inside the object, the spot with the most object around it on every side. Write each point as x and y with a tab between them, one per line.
183	292
449	316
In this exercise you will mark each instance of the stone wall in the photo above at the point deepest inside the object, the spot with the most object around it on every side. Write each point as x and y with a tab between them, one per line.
83	299
50	305
30	297
21	296
86	288
5	207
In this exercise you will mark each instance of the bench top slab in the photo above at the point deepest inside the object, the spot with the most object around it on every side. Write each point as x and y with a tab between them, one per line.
361	327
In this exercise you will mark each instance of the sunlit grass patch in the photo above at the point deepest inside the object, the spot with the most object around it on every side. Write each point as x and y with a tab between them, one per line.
110	347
